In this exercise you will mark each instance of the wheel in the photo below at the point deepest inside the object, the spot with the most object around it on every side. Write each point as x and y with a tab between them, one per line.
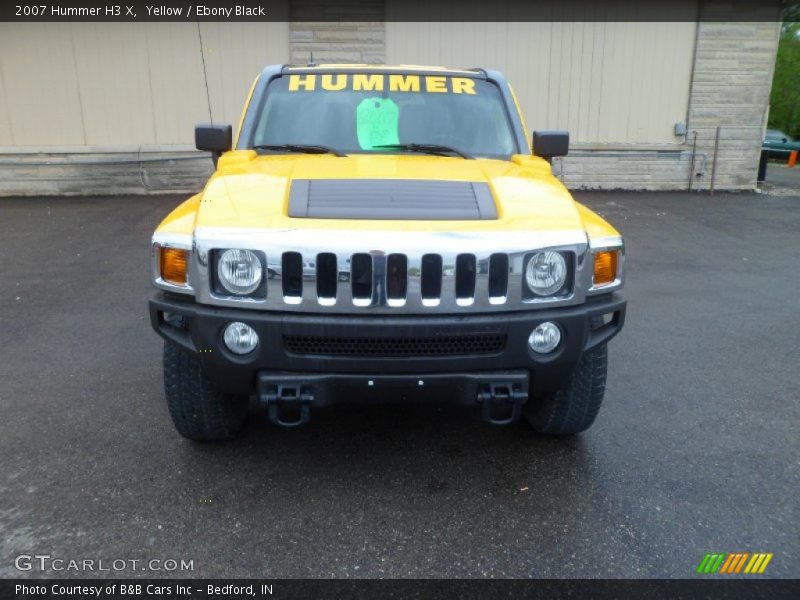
574	407
198	411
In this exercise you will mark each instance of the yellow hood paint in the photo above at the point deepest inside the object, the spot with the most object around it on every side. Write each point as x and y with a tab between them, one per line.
181	220
251	191
596	226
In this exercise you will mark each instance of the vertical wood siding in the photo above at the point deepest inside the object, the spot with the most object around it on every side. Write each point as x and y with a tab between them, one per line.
606	82
114	84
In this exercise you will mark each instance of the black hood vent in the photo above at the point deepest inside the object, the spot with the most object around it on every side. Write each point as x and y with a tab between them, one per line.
398	199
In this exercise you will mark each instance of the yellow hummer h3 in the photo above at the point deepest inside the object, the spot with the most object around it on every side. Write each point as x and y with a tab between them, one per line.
374	234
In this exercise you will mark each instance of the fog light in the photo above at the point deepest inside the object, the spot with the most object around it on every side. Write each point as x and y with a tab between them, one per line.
240	338
545	338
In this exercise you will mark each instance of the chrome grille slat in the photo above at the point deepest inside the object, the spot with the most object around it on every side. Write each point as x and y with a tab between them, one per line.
274	281
308	280
447	298
344	296
406	249
482	281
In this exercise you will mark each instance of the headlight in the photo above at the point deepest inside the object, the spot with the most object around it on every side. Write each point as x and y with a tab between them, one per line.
546	273
239	271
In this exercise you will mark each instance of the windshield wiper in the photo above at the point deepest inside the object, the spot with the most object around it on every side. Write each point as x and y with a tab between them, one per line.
427	148
304	148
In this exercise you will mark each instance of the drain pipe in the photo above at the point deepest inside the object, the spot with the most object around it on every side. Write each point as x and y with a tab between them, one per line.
691	168
714	161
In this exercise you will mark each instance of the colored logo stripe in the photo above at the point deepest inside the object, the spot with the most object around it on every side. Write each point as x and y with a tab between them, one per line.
734	562
758	563
710	563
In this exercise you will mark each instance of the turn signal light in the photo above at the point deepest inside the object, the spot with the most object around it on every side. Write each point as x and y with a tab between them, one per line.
605	267
172	263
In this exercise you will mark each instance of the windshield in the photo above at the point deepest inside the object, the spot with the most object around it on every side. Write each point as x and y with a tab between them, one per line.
358	113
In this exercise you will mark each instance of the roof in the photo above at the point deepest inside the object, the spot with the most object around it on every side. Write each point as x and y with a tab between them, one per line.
383	68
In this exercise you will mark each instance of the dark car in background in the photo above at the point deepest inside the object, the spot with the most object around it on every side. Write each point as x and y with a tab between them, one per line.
778	144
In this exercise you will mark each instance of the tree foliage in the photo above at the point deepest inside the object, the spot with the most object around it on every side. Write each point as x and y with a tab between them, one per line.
784	113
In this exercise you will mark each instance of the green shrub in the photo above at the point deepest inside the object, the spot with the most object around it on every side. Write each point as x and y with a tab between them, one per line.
784	113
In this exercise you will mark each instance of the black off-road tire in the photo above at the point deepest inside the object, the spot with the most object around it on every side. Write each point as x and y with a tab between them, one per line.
198	411
573	408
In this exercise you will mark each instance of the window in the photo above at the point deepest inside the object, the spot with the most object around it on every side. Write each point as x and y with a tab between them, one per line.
359	112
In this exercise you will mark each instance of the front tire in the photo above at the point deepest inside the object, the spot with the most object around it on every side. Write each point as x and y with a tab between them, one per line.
574	407
199	412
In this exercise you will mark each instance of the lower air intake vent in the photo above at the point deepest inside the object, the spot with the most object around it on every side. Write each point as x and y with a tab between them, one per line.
453	345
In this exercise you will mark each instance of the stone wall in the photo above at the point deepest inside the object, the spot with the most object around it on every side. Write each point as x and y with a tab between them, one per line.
347	32
627	168
101	171
734	64
731	83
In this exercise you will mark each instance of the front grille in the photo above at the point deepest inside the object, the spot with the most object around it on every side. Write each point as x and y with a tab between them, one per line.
453	345
394	272
370	279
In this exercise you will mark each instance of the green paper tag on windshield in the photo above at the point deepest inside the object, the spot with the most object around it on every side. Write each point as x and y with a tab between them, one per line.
377	122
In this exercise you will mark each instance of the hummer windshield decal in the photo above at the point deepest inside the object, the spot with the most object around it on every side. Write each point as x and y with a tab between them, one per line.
388	113
379	82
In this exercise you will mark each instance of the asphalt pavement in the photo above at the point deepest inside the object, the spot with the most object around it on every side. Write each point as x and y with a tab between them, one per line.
780	176
696	449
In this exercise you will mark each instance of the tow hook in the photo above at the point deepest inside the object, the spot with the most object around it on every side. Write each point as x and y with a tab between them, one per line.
288	405
501	402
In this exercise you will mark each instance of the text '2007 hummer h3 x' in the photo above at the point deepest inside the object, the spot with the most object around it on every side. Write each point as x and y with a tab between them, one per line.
378	234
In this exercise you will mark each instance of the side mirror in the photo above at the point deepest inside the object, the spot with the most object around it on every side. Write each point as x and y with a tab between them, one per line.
785	140
548	143
213	138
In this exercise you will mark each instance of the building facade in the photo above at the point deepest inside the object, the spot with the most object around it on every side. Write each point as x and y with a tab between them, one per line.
110	108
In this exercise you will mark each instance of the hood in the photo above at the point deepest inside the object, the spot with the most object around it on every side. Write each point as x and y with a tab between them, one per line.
355	192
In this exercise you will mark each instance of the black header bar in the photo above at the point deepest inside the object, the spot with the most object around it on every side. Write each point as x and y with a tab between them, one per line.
430	589
395	10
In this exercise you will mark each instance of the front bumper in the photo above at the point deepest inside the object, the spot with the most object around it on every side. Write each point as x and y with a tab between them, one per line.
386	356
